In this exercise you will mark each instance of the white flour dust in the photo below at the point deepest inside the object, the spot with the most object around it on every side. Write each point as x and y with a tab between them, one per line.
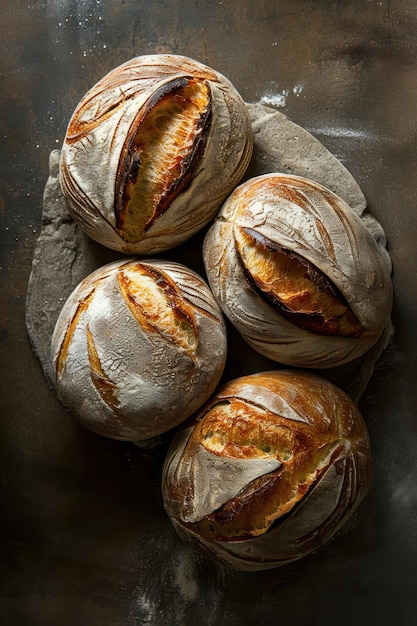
275	98
349	133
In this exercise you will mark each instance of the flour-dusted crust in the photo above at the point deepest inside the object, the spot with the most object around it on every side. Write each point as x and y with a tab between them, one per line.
137	348
340	302
282	146
64	256
268	470
151	152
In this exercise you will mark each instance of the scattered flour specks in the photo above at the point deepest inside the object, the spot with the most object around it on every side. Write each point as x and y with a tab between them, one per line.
343	132
273	97
149	609
186	576
405	494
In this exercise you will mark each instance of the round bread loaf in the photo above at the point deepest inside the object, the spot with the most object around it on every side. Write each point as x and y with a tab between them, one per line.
268	470
138	347
151	152
297	272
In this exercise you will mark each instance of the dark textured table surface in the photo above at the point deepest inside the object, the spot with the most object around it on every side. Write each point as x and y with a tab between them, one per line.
85	539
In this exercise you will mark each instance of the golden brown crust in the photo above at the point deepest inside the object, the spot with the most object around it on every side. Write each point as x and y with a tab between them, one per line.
297	272
161	154
254	457
152	150
138	347
294	286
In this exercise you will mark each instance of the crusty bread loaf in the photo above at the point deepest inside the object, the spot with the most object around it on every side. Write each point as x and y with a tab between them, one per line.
138	347
297	272
151	152
268	470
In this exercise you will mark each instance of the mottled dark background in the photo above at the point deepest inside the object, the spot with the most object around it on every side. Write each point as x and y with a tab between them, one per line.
84	536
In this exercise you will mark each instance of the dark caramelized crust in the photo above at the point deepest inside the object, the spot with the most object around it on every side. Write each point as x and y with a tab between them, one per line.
294	286
158	306
104	385
242	430
161	154
296	426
